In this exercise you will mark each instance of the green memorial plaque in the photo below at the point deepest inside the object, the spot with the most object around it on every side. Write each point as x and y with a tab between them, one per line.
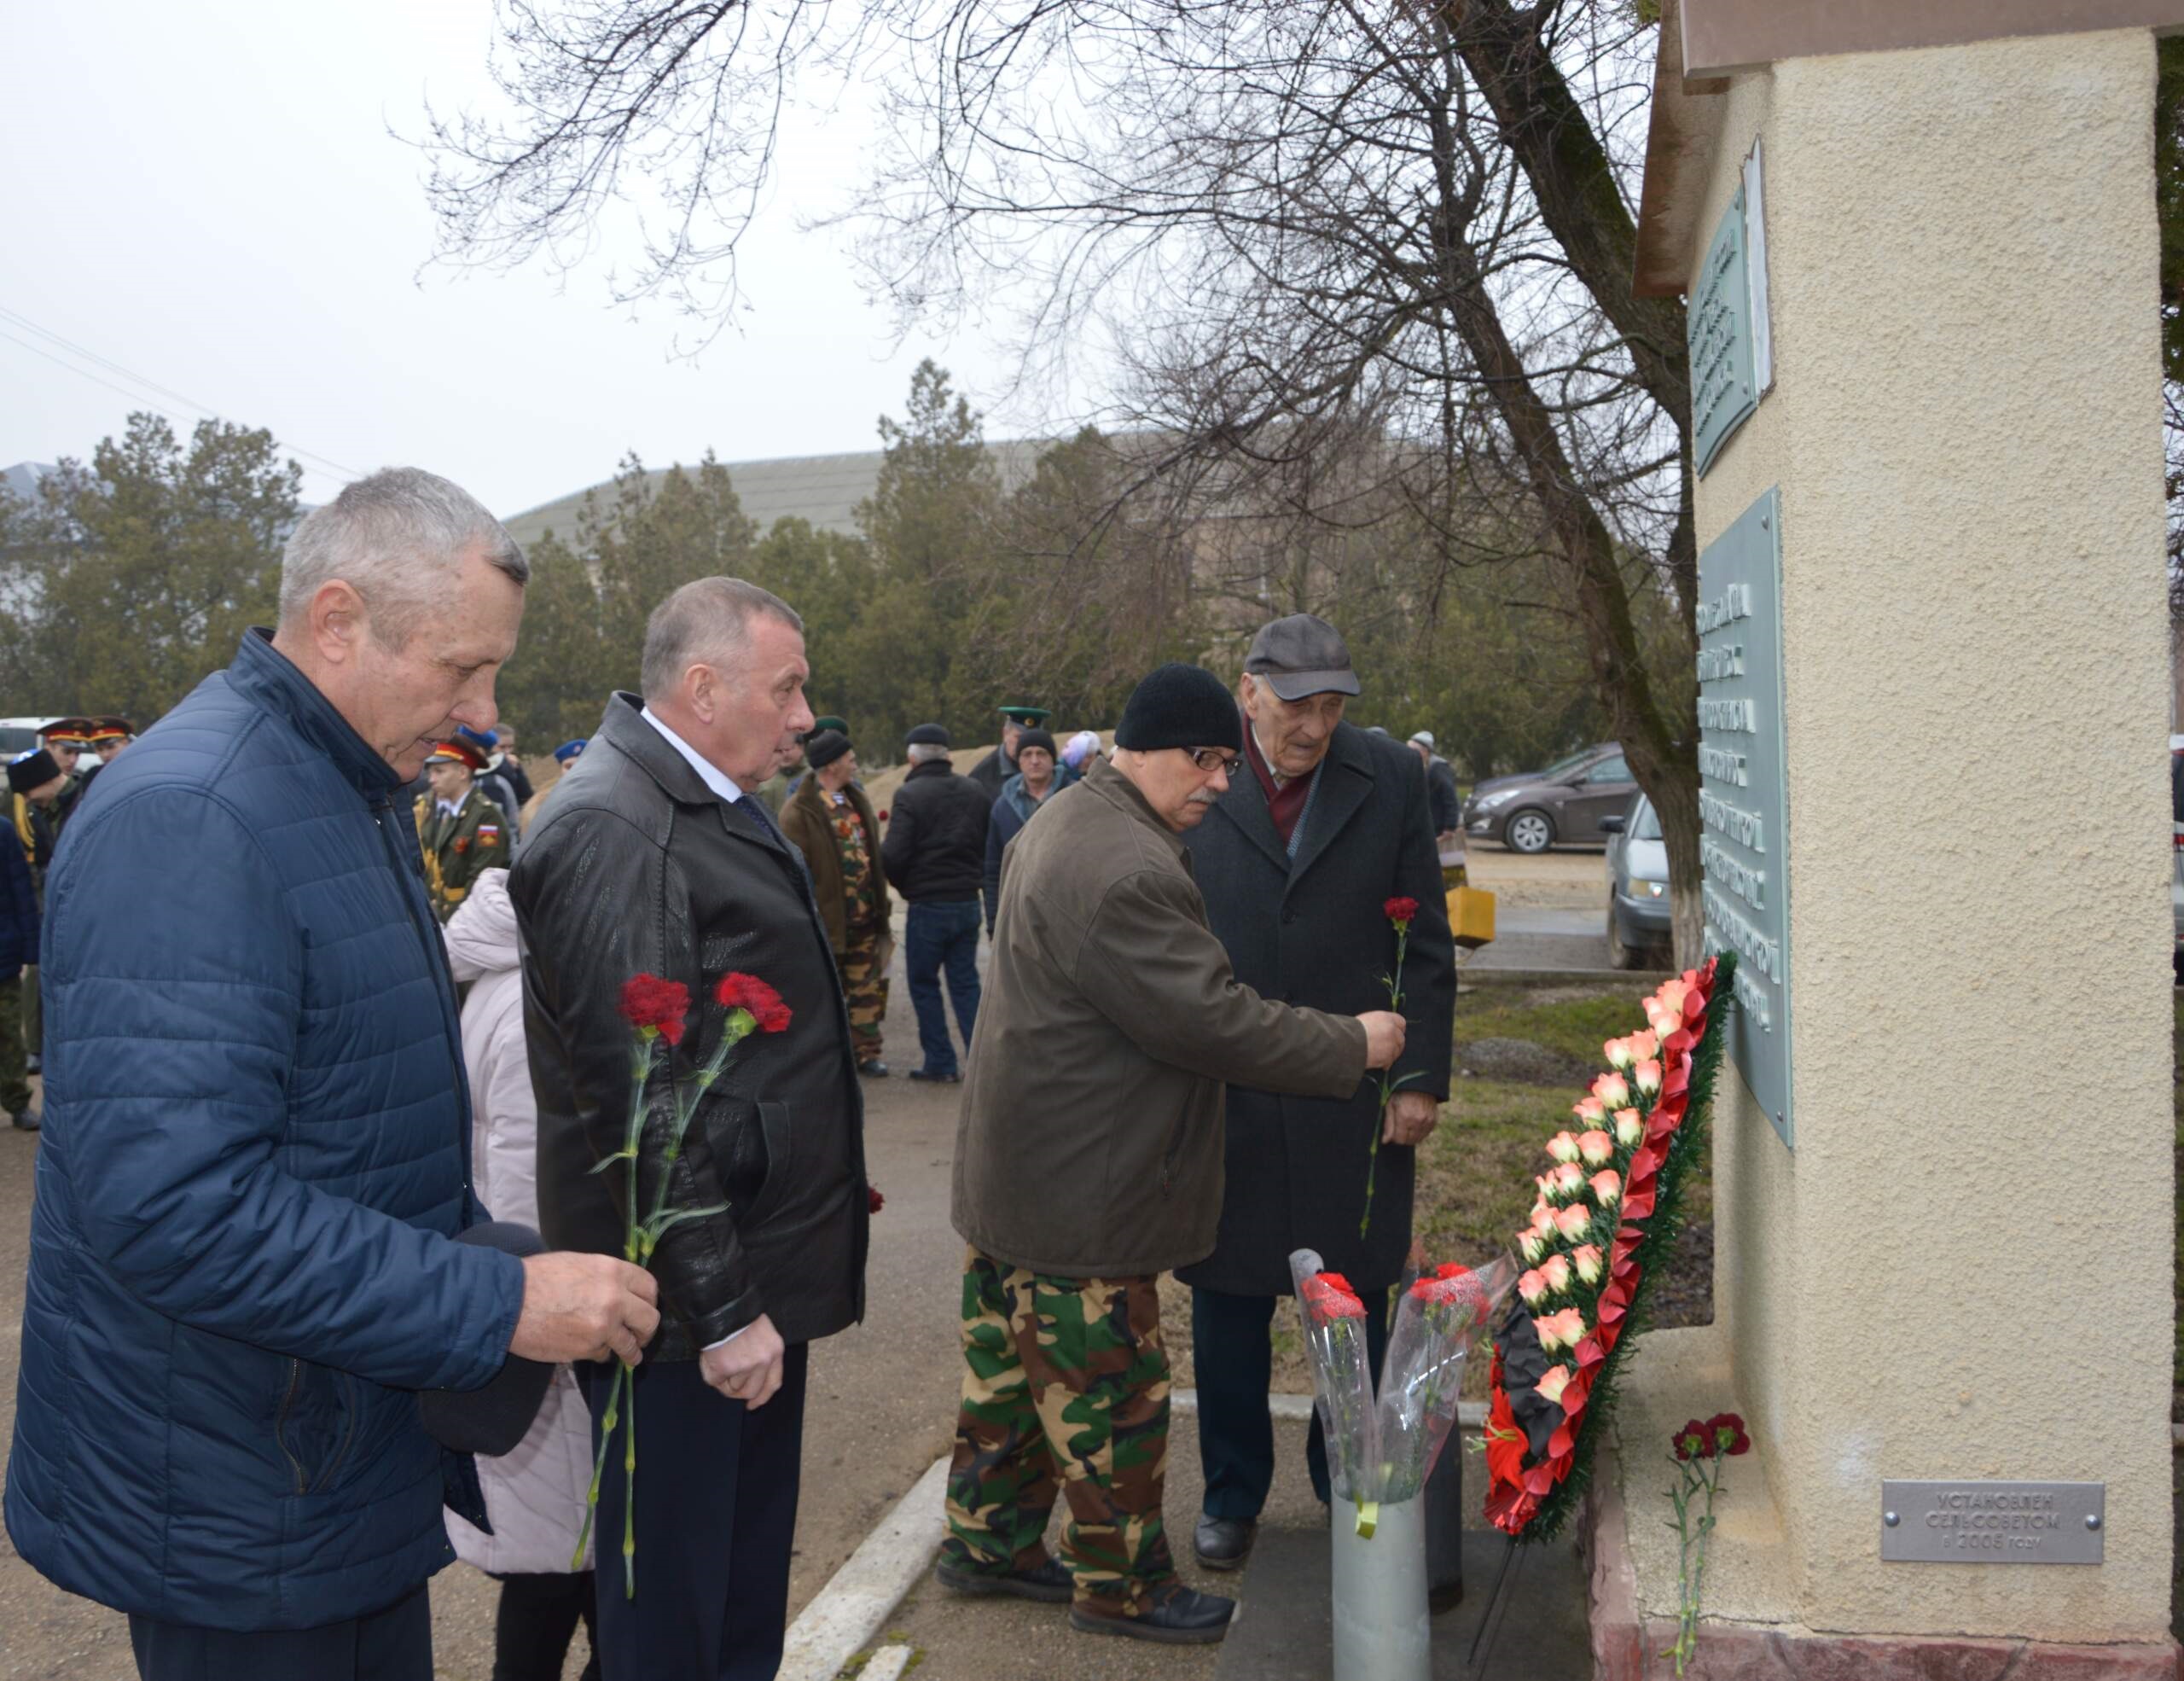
1718	326
1742	795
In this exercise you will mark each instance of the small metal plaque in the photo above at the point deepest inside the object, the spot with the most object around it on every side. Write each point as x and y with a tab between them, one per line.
1993	1522
1718	325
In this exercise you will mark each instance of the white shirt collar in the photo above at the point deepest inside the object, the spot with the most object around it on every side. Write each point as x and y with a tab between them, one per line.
709	773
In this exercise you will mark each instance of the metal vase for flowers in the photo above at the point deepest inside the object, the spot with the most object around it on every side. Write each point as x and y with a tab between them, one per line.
1382	1449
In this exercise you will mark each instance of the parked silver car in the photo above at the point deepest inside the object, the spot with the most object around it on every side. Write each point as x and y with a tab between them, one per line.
1639	919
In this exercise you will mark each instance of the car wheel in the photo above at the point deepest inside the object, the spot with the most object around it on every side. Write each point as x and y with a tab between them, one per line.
1619	955
1529	831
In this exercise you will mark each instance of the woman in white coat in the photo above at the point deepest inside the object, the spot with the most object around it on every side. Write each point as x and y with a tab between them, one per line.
535	1496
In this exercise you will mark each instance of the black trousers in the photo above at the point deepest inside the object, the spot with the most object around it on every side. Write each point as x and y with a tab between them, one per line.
1235	1363
716	1512
537	1619
395	1644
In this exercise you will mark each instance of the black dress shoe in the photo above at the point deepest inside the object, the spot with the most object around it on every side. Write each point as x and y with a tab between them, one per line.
1185	1618
1224	1543
875	1069
1049	1583
936	1079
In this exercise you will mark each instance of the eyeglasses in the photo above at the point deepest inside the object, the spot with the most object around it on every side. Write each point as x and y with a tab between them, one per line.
1212	758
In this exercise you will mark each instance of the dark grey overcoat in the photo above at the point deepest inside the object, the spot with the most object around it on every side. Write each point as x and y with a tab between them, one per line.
1312	934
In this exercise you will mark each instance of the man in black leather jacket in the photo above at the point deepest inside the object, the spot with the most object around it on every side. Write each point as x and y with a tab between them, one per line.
935	853
650	859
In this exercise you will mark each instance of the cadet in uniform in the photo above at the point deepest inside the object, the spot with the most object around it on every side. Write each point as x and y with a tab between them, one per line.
831	823
461	830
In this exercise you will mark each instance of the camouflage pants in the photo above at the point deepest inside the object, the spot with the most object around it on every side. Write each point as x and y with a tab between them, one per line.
1065	1385
864	985
15	995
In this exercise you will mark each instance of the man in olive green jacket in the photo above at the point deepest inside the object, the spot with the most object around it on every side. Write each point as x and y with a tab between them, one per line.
1089	1160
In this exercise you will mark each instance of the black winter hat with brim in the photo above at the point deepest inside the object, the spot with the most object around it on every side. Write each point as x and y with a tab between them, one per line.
824	748
494	1420
1179	705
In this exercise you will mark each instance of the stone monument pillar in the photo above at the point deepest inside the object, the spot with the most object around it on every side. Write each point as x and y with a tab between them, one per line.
1919	246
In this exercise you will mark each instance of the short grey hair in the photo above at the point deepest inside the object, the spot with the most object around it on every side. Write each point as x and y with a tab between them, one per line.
707	619
396	537
921	752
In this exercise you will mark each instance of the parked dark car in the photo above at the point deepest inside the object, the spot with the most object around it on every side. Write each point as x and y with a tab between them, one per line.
1563	802
1639	920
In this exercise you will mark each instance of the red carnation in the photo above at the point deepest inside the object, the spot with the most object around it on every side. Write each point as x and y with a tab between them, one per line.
1400	911
1692	1441
652	1005
737	991
1335	1281
874	1201
1725	1431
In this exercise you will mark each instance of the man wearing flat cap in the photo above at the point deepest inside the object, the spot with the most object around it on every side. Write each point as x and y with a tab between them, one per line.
993	770
1088	1161
1326	824
461	831
832	823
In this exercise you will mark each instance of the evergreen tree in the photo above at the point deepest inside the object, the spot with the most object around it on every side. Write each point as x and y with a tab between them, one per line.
123	584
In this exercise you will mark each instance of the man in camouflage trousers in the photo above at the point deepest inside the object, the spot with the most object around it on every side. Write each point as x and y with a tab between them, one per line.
1065	1382
830	822
1088	1161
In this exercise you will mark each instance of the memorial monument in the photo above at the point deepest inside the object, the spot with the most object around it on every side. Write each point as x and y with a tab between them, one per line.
1920	248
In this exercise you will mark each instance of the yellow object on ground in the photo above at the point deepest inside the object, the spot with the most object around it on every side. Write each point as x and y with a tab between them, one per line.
1471	916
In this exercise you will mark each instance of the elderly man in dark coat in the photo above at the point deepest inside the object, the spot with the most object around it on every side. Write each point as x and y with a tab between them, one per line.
1323	825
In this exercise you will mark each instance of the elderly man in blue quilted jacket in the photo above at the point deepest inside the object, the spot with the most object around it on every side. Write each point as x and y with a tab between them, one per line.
255	1162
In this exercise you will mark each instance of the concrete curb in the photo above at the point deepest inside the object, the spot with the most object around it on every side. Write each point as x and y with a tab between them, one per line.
1472	975
848	1613
1470	1415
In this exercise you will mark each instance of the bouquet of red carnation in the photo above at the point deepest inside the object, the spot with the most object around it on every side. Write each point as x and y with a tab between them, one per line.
1607	1213
1382	1449
658	1012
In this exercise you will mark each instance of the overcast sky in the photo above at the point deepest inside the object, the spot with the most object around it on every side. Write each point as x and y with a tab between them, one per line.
207	195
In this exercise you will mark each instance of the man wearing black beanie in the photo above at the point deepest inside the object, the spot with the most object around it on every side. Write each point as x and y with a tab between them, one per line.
1088	1161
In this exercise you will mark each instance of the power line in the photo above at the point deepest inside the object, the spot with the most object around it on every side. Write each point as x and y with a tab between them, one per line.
203	409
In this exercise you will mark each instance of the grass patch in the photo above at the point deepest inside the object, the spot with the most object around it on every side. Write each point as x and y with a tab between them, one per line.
1569	1020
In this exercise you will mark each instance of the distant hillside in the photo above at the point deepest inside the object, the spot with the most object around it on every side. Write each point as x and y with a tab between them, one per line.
22	480
823	489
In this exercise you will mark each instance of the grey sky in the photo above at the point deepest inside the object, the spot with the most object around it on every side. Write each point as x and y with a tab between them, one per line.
207	196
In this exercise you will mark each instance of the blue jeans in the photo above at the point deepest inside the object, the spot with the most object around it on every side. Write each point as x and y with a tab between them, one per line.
937	937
